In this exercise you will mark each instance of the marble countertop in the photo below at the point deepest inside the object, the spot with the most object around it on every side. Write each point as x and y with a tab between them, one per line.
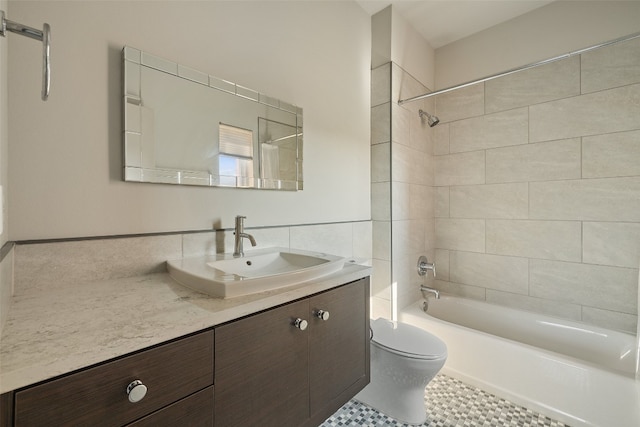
75	325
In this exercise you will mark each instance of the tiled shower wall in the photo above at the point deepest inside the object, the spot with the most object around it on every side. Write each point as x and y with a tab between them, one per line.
402	189
537	188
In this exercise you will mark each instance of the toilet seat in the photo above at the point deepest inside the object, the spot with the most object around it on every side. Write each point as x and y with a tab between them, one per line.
407	340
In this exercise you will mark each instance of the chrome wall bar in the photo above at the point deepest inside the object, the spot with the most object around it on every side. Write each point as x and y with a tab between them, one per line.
44	36
516	70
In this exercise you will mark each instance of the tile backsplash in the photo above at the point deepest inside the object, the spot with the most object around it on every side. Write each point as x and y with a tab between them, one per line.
40	266
537	188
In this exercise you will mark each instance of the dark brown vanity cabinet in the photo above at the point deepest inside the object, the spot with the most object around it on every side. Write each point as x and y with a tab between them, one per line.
295	364
178	377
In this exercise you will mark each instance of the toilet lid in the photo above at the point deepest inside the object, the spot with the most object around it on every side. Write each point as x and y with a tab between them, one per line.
407	340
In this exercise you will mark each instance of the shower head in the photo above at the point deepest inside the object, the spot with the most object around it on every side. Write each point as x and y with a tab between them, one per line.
432	120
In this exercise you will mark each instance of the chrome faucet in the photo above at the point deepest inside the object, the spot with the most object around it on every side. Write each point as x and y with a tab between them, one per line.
238	248
427	289
424	266
425	304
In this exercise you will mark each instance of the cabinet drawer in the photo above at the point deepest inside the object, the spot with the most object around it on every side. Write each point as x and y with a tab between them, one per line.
98	396
195	410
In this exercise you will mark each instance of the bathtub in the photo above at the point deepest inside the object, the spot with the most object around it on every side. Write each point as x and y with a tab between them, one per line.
569	371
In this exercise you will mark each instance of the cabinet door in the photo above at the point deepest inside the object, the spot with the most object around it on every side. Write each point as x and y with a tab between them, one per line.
261	370
338	346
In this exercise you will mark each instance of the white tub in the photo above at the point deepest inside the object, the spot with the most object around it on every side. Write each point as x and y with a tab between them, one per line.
572	372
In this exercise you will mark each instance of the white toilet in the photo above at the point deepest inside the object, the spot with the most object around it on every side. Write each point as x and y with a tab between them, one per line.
404	358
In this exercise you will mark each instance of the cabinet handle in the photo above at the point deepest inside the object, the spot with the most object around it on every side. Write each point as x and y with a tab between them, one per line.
300	324
136	391
322	314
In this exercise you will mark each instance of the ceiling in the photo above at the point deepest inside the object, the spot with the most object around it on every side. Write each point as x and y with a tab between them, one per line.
444	21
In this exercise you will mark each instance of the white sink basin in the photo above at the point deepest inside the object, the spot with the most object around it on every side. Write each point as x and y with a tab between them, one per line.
224	276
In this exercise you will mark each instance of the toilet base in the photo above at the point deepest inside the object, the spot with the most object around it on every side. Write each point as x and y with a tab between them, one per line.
407	407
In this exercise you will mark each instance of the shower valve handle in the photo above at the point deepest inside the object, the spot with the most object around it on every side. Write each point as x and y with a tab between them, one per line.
424	266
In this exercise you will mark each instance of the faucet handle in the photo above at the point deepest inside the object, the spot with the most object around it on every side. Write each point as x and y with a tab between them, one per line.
424	266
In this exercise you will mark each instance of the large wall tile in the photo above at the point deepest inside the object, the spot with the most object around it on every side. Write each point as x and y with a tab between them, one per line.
490	131
334	238
610	319
490	271
442	264
421	135
409	165
611	243
460	104
460	234
490	201
411	201
441	139
381	279
408	237
535	162
400	124
430	233
460	169
609	199
612	110
381	201
442	202
381	123
613	66
381	162
363	240
584	284
458	289
558	240
561	309
560	79
381	84
382	240
611	155
43	264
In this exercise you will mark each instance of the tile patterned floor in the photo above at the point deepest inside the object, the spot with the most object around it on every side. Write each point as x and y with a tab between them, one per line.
449	403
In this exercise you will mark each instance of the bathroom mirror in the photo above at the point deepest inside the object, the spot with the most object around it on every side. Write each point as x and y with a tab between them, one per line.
182	126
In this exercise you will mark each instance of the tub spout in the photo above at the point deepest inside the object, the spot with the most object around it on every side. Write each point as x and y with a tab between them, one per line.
427	289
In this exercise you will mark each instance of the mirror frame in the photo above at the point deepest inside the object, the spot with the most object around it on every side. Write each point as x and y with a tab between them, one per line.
133	61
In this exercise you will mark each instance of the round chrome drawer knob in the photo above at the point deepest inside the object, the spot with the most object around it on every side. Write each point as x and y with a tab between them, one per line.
136	391
322	314
300	324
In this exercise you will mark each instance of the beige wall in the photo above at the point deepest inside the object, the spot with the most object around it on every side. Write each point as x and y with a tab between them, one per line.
555	29
66	153
4	139
537	179
6	264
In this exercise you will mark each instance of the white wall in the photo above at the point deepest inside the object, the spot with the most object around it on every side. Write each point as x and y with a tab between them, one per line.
552	30
395	40
66	153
